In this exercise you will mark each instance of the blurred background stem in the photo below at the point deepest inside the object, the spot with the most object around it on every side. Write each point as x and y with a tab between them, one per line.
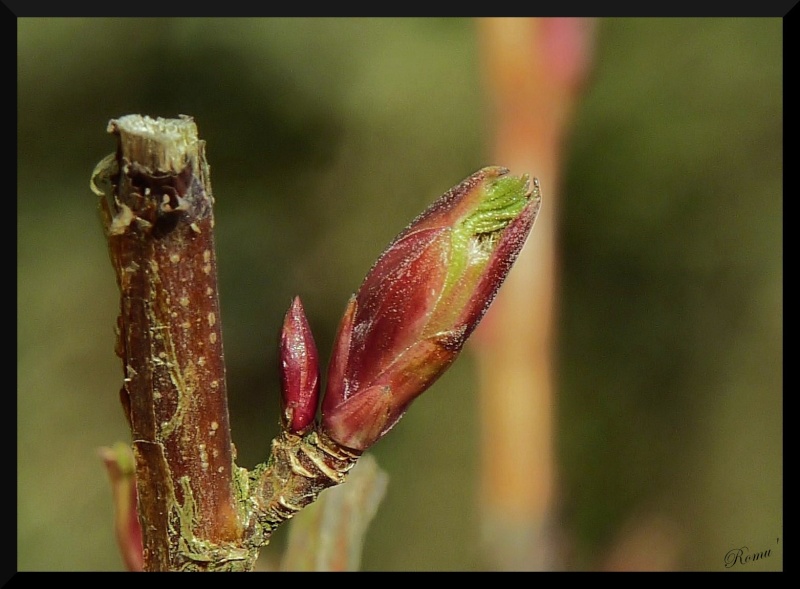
533	71
328	535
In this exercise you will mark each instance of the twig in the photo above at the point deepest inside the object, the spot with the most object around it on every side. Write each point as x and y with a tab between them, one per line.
159	225
400	332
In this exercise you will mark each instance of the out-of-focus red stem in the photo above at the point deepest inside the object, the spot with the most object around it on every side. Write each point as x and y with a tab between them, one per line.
119	465
534	69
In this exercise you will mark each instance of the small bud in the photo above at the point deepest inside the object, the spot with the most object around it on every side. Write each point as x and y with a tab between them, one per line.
299	371
421	301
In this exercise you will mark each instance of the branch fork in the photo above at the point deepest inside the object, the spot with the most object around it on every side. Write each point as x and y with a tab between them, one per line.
403	328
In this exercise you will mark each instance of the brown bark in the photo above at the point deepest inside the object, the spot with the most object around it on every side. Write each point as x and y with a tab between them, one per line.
159	225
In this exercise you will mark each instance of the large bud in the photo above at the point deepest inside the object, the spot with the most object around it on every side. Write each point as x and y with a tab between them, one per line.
421	300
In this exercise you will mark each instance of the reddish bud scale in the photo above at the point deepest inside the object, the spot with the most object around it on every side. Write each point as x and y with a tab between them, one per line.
421	300
299	371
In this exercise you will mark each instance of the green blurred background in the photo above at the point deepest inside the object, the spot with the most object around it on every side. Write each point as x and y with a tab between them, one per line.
325	137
